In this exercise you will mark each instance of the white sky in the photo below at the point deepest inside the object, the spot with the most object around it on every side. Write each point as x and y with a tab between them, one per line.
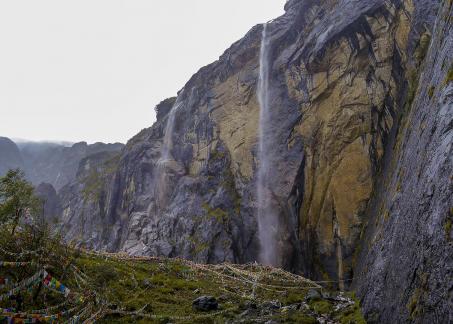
93	70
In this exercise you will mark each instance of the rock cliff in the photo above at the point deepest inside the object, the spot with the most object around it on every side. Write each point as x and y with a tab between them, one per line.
349	106
405	268
51	207
10	157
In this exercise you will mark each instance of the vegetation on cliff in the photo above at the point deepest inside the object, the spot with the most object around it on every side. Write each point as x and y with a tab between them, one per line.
45	280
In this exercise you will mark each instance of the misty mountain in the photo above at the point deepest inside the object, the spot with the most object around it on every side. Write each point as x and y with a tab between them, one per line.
10	156
47	162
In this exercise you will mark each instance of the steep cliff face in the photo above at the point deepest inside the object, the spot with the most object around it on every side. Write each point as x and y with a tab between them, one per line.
51	208
10	157
340	75
405	269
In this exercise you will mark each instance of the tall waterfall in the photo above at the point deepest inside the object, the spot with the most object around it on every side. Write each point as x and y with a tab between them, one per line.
161	177
268	222
167	146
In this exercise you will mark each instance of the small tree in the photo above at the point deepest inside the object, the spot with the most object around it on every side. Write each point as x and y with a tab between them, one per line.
17	198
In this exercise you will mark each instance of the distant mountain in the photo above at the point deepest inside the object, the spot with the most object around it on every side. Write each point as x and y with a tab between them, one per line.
10	156
57	164
45	162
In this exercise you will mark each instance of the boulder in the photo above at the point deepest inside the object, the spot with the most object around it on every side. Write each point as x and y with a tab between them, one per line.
205	304
313	294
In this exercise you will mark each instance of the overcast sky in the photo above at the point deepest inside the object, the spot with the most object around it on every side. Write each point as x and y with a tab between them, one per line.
93	70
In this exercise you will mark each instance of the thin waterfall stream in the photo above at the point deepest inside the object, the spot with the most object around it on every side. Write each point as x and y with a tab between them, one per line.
268	222
161	179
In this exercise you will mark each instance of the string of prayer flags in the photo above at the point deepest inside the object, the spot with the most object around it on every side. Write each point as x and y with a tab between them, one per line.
47	310
41	276
13	317
24	284
10	315
21	254
54	284
15	264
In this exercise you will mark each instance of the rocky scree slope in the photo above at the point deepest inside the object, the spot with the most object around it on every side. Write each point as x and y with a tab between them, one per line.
342	82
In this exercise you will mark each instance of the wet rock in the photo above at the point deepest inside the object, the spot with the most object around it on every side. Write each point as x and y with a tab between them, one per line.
313	294
164	107
333	109
248	313
205	304
339	76
407	256
290	308
272	305
51	203
146	283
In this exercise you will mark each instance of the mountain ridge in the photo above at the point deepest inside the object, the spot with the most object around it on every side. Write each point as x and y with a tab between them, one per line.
50	162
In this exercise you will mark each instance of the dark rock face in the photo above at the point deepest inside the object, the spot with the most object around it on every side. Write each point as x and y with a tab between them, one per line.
51	203
10	157
407	255
86	196
164	108
337	77
313	294
343	81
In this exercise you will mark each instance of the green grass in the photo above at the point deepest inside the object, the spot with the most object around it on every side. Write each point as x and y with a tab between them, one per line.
167	288
161	290
351	315
296	317
321	306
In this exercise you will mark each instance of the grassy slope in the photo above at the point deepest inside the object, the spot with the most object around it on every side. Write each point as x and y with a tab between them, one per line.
167	287
115	288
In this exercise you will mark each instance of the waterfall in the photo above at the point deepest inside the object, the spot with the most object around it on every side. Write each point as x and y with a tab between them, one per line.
161	177
268	223
339	252
167	145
